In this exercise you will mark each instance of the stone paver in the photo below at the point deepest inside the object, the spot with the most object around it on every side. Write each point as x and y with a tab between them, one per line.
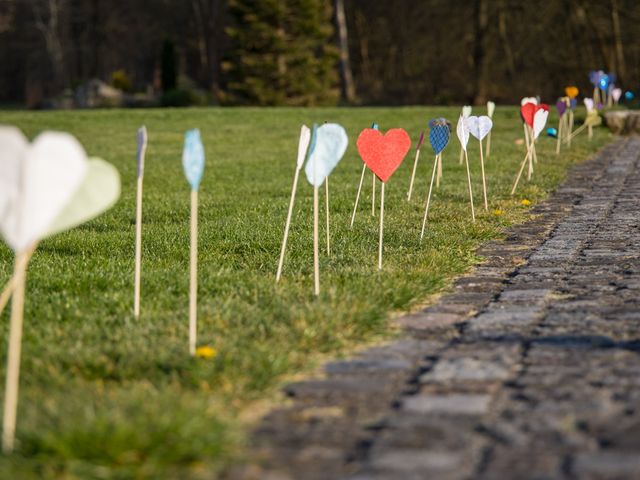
528	369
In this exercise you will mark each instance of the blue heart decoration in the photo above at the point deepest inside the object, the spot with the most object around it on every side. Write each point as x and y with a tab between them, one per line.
328	144
573	103
439	134
193	158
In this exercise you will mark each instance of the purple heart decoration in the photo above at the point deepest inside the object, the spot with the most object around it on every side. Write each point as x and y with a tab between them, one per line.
561	107
439	134
420	141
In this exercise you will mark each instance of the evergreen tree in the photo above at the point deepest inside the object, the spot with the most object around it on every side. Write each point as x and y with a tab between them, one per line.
282	53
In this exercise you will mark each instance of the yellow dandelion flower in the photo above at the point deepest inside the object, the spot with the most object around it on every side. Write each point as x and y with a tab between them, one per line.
525	202
498	212
206	352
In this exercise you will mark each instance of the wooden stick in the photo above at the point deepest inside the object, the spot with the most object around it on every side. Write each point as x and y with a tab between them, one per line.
559	134
439	176
590	130
533	139
531	148
287	224
488	146
524	162
11	284
380	241
426	208
355	206
373	194
576	132
461	156
466	159
316	259
193	280
413	174
138	258
13	355
326	191
526	134
484	182
569	135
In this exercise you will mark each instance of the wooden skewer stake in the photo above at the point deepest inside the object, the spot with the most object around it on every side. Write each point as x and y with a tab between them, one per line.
569	135
559	134
193	279
576	132
533	140
373	194
316	259
531	147
288	223
439	175
426	208
13	356
484	181
326	191
11	284
380	242
413	174
355	206
466	159
461	156
142	149
522	165
488	145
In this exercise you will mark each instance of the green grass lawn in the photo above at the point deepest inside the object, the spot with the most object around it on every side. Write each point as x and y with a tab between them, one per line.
106	396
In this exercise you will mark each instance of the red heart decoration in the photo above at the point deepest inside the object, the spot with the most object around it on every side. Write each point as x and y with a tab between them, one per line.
383	154
527	111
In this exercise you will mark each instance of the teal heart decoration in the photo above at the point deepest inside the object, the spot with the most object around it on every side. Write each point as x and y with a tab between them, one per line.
328	144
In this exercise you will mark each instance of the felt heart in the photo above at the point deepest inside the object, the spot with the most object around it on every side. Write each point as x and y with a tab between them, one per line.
303	144
588	103
540	120
616	93
193	158
142	147
462	132
466	111
328	144
50	171
420	141
439	137
383	154
479	127
527	111
491	107
561	106
526	100
13	145
98	192
603	83
571	92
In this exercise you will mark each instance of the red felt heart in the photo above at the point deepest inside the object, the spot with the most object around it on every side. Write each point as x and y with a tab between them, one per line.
527	111
383	154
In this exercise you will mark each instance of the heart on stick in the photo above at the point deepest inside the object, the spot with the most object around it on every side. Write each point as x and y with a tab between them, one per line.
193	158
420	141
491	107
439	134
527	111
588	103
142	147
462	132
540	119
303	144
571	92
328	144
479	127
466	111
51	169
383	154
616	93
561	106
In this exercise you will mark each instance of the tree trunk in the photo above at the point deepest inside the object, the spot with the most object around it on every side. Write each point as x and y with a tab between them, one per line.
479	52
617	38
348	89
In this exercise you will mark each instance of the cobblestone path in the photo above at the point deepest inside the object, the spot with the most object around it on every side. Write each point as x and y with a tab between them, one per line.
528	369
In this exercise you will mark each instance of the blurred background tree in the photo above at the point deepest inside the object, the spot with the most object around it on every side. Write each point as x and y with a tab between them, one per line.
316	52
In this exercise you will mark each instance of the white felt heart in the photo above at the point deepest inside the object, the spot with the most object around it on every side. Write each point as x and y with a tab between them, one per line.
303	144
491	107
98	192
13	145
616	93
526	100
462	132
466	111
539	121
588	102
52	168
478	126
326	150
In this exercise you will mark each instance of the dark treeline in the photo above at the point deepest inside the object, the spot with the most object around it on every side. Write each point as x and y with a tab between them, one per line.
314	52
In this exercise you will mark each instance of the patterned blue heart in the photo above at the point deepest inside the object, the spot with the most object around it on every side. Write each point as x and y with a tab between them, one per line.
193	158
439	136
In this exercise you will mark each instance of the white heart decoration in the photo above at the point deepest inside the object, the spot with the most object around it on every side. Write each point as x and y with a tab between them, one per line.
462	132
539	121
51	169
526	100
466	111
303	144
326	150
13	144
616	93
491	107
479	127
588	103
